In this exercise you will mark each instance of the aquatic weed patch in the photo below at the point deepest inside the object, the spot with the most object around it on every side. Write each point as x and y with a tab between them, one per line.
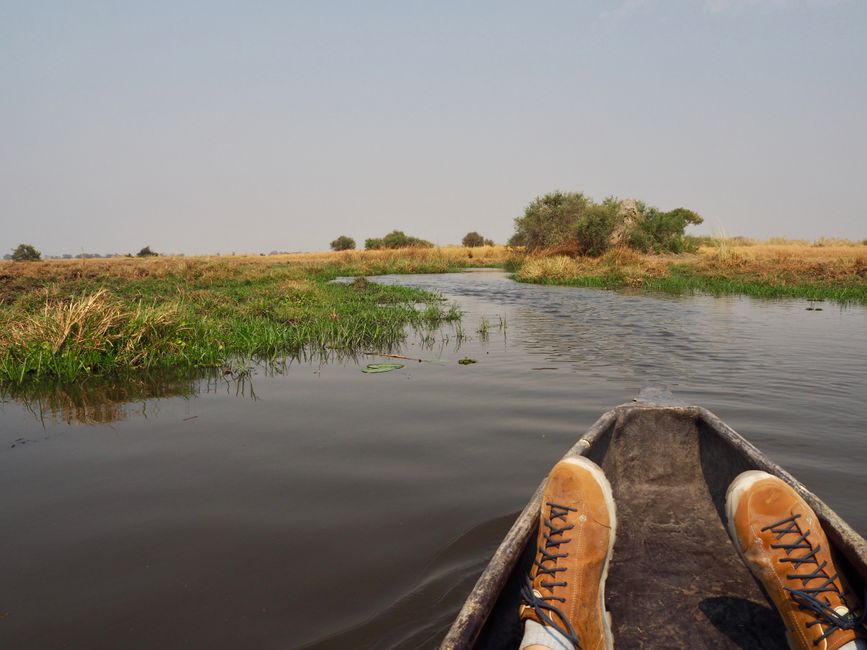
200	316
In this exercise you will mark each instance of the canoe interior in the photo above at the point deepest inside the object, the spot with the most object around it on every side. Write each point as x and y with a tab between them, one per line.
675	578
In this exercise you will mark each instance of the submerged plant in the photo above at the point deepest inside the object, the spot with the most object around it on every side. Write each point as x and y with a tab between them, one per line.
484	329
375	368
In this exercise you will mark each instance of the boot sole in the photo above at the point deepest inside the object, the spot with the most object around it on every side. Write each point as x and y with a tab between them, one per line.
741	484
600	478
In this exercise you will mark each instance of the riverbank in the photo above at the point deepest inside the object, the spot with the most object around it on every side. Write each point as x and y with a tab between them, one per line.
68	319
65	320
796	270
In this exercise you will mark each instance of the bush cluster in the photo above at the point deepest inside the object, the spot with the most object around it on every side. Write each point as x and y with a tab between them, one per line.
663	232
343	243
26	253
396	239
573	221
474	240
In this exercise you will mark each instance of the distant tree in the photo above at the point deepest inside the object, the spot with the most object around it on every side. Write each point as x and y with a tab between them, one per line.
26	253
399	239
473	239
489	242
146	252
374	244
343	243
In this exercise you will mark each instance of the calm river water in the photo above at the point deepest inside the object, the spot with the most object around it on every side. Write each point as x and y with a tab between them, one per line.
327	508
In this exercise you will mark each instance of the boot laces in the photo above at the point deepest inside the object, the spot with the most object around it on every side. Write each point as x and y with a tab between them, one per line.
546	565
809	598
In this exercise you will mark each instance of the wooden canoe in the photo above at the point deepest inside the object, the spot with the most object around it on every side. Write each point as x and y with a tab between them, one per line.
675	579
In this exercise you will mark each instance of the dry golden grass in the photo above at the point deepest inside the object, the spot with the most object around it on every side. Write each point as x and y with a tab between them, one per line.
94	323
785	241
770	267
479	254
631	266
14	275
846	262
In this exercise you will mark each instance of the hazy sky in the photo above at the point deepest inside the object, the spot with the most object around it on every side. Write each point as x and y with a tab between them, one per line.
252	126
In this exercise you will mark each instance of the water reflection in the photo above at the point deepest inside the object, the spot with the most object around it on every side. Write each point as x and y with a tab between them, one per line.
98	401
195	528
112	399
104	400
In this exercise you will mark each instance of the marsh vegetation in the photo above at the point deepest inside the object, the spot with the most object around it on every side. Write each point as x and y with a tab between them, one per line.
63	320
67	320
784	270
567	238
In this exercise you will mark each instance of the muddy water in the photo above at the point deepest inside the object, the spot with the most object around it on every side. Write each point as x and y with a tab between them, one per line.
326	508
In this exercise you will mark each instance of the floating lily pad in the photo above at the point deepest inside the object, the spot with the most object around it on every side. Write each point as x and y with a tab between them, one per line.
382	367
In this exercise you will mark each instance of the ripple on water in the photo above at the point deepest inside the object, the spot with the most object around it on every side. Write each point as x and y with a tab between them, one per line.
331	508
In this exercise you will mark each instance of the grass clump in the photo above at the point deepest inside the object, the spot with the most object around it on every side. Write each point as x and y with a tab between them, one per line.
765	271
67	321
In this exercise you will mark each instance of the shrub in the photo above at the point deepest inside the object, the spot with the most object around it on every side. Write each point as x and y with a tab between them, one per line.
343	243
399	239
595	227
693	242
146	252
374	244
26	253
473	239
572	223
549	220
660	232
489	242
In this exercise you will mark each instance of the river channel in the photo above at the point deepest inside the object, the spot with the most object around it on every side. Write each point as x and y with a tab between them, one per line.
316	506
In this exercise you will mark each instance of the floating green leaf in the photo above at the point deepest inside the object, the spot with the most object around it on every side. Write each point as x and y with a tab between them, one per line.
466	361
382	367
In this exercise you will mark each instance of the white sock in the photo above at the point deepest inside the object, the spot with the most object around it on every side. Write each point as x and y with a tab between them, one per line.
857	644
536	634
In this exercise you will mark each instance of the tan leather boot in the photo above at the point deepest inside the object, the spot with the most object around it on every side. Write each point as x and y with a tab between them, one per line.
566	587
782	542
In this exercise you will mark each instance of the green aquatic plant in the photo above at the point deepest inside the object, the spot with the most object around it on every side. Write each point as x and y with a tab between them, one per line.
201	322
484	329
375	368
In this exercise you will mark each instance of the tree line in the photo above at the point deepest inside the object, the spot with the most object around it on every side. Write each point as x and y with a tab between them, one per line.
568	222
399	239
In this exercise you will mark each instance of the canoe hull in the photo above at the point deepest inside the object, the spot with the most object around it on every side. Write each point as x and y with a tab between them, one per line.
675	578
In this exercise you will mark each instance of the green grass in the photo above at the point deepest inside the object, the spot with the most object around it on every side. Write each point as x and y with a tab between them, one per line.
78	327
686	280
